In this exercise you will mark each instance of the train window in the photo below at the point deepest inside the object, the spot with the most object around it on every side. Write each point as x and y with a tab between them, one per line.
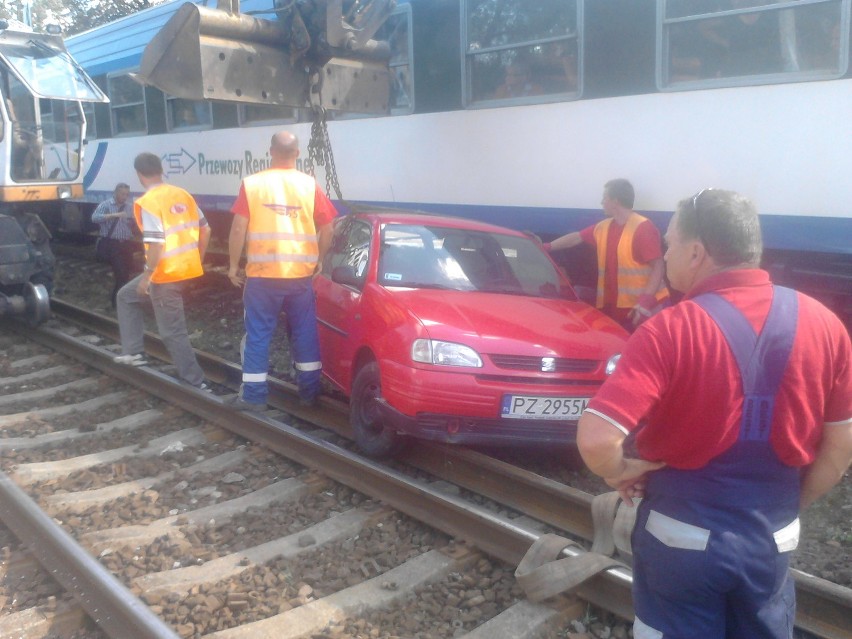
265	114
521	52
187	114
397	32
738	42
60	138
127	105
91	122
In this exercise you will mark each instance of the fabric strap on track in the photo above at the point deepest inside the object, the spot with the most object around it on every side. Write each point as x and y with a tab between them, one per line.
542	574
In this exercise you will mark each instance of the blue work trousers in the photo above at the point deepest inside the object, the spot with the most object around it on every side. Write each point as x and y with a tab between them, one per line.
264	299
712	572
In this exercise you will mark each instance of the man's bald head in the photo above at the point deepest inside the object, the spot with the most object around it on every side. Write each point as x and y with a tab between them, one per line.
284	149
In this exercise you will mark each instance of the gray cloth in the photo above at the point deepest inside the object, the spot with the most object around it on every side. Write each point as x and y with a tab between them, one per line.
167	300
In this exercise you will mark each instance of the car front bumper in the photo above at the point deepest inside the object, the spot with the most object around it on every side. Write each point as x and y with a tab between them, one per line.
455	429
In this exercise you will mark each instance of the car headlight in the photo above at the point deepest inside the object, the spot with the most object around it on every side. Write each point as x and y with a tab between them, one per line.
611	363
428	351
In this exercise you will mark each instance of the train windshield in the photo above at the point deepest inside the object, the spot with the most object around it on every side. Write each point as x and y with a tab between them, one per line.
49	72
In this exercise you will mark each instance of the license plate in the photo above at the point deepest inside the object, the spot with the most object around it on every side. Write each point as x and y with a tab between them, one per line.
530	407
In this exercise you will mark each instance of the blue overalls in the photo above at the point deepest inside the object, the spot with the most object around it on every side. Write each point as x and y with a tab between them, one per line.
264	299
711	546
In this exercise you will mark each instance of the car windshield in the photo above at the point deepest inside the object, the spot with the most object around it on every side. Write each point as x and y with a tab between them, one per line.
426	256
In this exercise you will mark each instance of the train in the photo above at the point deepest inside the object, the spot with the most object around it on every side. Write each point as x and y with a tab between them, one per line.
41	140
517	113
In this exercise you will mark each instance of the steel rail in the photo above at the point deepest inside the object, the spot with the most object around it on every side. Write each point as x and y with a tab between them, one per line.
558	505
102	596
495	536
823	607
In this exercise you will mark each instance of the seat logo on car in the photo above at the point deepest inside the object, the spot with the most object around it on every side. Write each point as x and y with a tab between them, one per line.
548	364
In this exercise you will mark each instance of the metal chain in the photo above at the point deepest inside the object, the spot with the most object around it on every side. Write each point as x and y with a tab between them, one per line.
319	147
319	152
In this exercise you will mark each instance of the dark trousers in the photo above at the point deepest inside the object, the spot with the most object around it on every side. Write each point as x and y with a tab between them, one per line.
121	260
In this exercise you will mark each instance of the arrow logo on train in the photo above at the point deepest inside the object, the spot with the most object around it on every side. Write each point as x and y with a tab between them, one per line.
178	162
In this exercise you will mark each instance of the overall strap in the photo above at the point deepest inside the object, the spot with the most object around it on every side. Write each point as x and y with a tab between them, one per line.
761	359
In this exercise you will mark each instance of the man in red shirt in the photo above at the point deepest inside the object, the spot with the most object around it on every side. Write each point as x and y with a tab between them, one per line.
283	220
744	392
630	285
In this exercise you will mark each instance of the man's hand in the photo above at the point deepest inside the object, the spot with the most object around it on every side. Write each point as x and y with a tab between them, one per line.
644	309
630	482
236	279
144	283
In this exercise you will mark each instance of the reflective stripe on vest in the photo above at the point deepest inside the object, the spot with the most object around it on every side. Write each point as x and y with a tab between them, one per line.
632	276
176	208
282	239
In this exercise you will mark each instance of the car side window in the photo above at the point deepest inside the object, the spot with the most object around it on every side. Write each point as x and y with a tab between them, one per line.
350	247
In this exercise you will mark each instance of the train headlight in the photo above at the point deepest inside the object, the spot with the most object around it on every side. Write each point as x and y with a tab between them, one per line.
64	192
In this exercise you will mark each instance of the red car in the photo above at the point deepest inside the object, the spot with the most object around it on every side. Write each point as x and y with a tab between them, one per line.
458	331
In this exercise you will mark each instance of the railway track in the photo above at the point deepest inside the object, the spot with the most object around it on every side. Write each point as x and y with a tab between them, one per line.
532	505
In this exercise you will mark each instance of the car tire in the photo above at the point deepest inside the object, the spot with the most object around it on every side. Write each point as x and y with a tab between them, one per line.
374	438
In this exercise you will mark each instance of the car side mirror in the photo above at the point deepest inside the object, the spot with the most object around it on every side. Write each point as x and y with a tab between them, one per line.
346	275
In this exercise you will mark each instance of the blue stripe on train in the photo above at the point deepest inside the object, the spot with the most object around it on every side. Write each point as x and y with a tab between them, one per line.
95	165
780	232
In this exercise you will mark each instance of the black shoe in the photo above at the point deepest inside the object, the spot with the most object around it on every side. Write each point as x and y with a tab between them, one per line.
238	403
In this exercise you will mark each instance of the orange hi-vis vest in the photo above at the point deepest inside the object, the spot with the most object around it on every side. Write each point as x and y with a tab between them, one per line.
632	275
180	259
282	237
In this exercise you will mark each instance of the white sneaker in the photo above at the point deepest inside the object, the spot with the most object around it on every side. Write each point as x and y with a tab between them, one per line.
131	360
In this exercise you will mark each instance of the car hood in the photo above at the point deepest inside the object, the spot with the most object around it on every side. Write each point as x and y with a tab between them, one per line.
519	324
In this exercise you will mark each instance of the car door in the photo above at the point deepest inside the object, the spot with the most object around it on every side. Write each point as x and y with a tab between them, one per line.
338	303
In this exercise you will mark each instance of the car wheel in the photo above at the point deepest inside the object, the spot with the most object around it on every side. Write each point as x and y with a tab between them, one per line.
373	437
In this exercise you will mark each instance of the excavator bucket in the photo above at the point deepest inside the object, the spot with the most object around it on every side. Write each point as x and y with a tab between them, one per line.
216	54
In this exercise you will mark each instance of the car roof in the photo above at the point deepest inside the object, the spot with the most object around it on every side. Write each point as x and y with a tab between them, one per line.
406	216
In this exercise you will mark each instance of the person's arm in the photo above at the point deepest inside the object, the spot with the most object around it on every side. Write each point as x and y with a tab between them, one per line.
655	280
601	446
152	259
100	214
832	461
567	241
647	300
236	242
203	241
325	233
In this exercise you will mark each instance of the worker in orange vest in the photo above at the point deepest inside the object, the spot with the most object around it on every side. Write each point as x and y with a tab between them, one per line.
630	286
284	222
175	233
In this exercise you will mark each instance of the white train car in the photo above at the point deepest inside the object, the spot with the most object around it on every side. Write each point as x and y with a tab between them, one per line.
518	112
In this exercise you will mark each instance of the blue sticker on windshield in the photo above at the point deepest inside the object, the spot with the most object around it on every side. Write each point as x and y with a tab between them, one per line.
397	277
